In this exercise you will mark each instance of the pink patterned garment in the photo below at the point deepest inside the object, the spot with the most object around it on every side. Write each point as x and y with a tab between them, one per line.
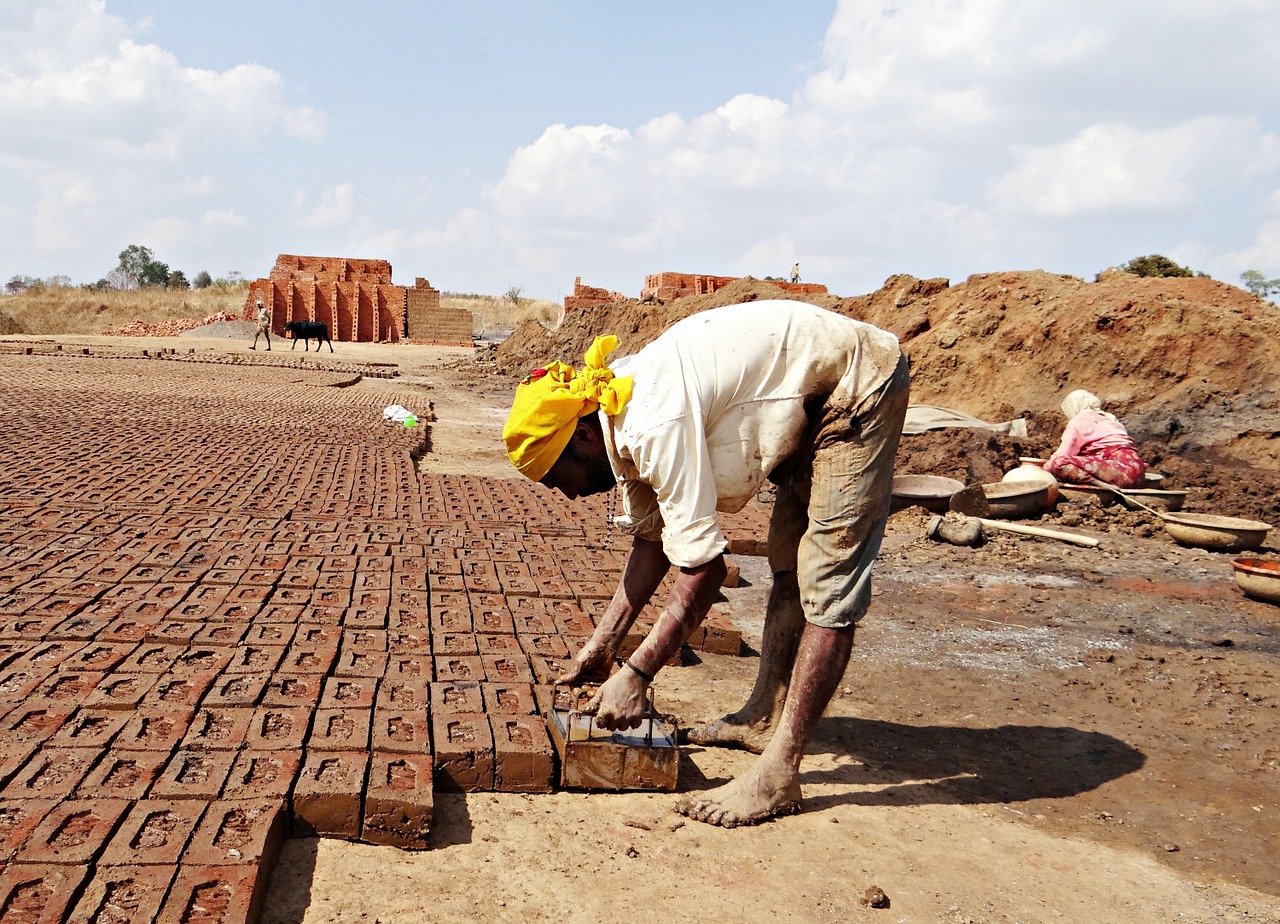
1117	465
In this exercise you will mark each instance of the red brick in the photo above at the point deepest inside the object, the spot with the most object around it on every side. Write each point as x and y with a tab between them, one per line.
34	723
155	730
549	646
456	696
20	681
459	667
348	693
354	662
463	746
454	643
278	727
523	759
154	831
123	774
507	668
75	832
550	696
178	690
215	894
326	796
259	774
52	773
123	894
339	730
400	730
398	802
292	690
193	775
121	691
509	698
240	831
255	659
38	893
18	818
101	656
547	670
236	690
402	693
274	633
219	728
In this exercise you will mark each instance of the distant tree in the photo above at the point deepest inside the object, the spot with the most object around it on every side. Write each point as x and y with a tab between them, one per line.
140	267
1155	265
58	282
118	280
513	295
19	284
177	280
202	281
1259	284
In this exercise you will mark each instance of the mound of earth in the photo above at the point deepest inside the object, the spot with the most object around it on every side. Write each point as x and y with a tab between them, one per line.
1189	364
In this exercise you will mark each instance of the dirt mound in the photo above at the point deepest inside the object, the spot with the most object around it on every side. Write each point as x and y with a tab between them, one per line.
1190	365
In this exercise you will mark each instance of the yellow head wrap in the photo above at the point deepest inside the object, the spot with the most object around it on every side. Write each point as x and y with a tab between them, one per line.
549	402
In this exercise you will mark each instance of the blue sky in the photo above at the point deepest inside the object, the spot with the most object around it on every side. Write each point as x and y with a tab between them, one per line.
487	145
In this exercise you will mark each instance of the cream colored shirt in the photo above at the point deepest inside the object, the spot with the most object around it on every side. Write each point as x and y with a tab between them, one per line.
718	401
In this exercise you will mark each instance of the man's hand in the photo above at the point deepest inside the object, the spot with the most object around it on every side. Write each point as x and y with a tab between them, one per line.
591	665
620	703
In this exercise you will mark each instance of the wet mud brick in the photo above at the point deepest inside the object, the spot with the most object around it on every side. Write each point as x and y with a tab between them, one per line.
155	730
327	794
123	894
507	668
523	760
154	831
38	893
214	895
348	693
593	758
463	744
459	667
398	801
278	728
89	728
74	833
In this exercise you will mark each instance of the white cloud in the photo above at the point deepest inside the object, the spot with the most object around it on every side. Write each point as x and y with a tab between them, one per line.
340	206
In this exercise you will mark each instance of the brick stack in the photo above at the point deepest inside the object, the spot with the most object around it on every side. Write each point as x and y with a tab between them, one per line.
231	610
356	299
666	287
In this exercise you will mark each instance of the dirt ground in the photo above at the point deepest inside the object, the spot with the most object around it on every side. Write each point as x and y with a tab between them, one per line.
1028	731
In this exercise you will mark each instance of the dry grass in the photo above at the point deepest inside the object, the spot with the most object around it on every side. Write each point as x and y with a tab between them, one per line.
78	311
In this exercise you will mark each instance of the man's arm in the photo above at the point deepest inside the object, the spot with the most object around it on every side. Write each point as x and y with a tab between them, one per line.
646	566
620	702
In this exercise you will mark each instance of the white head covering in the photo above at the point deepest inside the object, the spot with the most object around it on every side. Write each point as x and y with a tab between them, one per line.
1081	400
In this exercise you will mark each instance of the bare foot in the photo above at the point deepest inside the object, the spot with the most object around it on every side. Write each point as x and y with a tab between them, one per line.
763	792
735	731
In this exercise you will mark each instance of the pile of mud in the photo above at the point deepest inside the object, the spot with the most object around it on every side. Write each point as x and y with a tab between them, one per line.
1191	365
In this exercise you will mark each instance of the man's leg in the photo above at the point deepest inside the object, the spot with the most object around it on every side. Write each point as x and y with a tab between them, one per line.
752	725
772	786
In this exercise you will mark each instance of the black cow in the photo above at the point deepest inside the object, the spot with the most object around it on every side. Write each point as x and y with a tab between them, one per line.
305	330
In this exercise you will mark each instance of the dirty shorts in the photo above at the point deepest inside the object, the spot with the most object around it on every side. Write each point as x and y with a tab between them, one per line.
830	511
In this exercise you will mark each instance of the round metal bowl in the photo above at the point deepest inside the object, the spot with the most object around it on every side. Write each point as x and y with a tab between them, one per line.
1258	578
932	492
1207	531
1010	499
1161	500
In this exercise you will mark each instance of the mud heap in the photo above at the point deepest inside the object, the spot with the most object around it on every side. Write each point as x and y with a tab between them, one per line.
1190	364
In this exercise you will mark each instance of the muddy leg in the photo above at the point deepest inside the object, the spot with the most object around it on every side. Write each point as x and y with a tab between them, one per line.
751	726
772	786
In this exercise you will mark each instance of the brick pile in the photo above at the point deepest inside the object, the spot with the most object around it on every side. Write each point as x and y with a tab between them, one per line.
357	300
170	328
667	287
589	296
232	611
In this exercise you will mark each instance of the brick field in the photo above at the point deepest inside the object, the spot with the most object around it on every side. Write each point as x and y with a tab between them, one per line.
233	611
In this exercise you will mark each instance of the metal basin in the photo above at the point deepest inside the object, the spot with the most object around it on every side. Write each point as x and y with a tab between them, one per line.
932	492
1011	499
1258	578
1160	500
1207	531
